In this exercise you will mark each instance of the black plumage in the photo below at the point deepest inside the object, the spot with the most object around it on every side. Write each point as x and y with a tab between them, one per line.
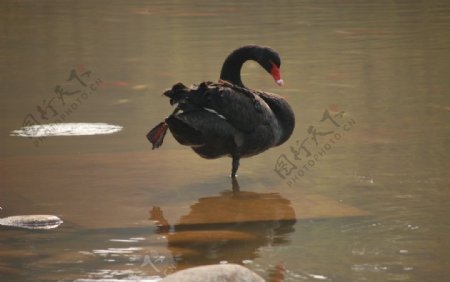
226	118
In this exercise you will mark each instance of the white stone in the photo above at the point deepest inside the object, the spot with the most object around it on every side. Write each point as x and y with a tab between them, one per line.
215	273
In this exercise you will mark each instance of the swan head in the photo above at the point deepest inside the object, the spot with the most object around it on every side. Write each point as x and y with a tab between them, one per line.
271	62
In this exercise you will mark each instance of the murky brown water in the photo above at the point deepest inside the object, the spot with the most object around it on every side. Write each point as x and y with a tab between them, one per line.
370	202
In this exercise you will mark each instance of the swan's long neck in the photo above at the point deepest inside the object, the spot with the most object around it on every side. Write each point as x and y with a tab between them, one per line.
231	68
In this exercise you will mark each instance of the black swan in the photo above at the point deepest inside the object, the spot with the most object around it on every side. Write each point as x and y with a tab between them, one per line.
225	118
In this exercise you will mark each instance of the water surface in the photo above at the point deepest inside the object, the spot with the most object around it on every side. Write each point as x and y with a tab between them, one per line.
370	202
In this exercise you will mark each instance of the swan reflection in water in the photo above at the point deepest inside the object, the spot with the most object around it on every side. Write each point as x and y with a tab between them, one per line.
229	227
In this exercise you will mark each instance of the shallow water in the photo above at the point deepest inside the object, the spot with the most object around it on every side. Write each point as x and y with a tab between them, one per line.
367	200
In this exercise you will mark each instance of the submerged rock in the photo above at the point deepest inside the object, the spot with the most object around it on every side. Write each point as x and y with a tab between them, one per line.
215	273
66	129
32	221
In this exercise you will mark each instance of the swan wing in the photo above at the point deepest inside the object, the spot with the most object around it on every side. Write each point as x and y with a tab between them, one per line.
241	108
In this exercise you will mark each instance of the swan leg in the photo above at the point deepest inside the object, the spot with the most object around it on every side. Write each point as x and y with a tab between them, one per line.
234	165
235	185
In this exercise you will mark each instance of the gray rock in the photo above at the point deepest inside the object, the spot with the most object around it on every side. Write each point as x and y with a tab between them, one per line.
215	273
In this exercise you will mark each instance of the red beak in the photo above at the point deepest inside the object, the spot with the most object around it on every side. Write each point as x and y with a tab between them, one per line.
275	72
